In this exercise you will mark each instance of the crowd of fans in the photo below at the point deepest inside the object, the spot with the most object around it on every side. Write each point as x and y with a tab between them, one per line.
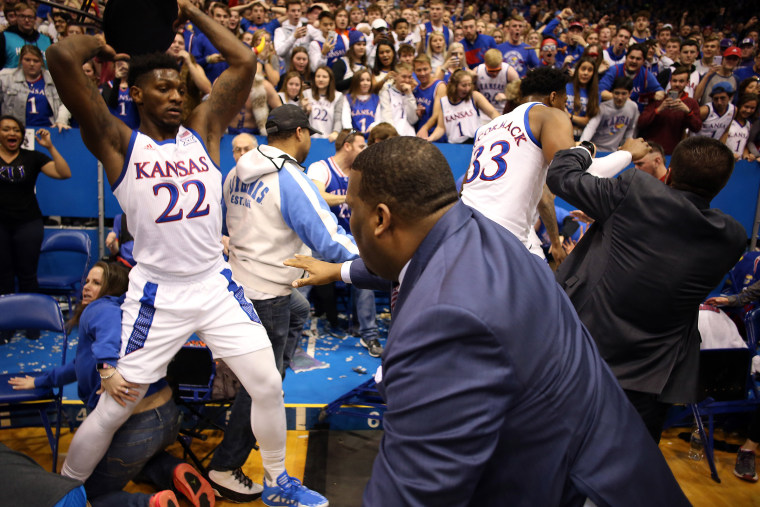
661	75
431	69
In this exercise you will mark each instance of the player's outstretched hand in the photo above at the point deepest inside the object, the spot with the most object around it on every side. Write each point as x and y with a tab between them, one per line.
717	301
319	272
22	383
119	389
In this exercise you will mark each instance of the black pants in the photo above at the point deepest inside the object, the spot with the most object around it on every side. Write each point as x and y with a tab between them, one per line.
652	411
19	255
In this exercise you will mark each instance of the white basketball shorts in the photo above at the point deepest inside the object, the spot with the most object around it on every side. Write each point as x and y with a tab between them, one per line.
158	317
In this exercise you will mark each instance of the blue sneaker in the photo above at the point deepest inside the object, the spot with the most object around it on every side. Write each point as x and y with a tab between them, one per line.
288	491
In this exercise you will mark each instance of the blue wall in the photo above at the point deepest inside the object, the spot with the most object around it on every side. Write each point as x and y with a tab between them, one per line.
78	196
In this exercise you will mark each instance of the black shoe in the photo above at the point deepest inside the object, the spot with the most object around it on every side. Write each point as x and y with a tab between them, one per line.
32	334
234	485
373	346
6	336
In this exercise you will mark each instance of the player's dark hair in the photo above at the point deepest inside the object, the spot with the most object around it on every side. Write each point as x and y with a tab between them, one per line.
701	165
408	174
143	64
622	82
542	82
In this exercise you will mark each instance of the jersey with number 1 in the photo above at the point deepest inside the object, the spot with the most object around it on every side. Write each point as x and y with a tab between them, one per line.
507	173
171	192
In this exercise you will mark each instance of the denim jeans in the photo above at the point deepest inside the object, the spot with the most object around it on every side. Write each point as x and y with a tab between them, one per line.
366	312
238	439
137	449
299	313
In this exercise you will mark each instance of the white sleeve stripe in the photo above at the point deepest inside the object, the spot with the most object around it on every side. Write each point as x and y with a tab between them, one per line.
327	218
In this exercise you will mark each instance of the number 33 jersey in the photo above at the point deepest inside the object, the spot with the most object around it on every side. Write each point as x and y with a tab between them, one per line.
171	192
507	173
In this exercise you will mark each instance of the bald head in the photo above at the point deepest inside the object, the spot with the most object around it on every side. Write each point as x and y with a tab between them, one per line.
242	144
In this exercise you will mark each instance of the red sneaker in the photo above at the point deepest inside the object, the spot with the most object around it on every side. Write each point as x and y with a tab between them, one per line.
191	483
165	498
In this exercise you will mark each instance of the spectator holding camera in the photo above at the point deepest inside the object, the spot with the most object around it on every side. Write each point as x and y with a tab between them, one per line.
665	121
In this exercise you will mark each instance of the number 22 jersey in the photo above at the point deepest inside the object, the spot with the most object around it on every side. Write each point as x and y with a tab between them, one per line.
171	192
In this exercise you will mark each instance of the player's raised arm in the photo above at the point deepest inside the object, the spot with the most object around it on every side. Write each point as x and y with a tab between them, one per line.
231	89
105	136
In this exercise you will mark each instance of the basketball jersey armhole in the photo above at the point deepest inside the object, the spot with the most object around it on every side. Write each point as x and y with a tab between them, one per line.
205	148
127	156
526	121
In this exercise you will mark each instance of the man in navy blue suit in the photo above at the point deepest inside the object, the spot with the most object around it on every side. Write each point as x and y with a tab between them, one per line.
495	392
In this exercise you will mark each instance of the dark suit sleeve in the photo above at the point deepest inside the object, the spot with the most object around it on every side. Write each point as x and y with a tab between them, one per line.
449	389
598	197
362	278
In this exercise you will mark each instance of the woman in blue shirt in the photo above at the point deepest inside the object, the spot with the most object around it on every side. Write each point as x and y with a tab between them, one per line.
583	95
362	101
155	421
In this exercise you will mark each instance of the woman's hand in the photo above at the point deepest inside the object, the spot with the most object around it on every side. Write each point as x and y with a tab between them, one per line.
22	383
43	138
118	388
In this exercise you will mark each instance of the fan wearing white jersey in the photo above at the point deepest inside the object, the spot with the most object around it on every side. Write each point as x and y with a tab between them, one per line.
327	108
737	134
717	115
506	180
492	76
397	103
458	113
166	178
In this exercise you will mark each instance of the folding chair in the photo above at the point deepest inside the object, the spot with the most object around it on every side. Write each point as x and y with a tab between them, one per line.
32	311
726	385
64	261
191	374
363	395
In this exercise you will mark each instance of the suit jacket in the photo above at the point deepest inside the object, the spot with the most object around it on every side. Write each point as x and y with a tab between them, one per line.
639	274
495	392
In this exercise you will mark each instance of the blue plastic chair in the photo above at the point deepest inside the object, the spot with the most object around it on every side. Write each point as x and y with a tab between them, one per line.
726	385
62	274
32	311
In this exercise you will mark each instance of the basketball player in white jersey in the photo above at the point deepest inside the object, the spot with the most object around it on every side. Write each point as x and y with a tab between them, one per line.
166	178
717	115
506	180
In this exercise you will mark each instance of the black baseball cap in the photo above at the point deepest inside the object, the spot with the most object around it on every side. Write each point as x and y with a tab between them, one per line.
288	117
